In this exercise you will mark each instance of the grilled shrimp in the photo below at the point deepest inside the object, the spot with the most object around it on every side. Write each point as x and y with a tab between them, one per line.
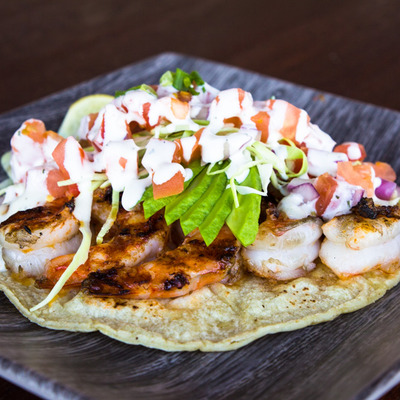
367	239
177	272
101	206
284	248
131	241
30	238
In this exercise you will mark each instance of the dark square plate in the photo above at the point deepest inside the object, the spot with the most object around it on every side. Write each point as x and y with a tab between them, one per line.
354	356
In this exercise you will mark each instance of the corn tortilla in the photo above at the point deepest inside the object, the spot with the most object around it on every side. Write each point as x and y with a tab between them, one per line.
214	318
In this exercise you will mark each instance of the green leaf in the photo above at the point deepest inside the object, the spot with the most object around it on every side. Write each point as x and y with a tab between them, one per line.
144	87
243	220
181	80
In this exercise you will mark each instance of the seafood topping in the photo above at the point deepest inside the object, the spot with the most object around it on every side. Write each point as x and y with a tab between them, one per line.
284	248
32	237
368	239
175	273
131	241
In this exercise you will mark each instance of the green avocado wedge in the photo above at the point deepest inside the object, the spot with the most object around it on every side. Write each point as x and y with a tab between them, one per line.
243	220
182	203
199	210
215	220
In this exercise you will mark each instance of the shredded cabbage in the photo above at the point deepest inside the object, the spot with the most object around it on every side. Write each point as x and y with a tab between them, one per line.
80	258
112	216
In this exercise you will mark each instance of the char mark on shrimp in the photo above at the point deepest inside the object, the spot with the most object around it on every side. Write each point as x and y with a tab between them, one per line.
179	280
175	273
367	209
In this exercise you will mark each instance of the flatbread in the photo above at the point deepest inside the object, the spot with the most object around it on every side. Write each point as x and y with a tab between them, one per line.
214	318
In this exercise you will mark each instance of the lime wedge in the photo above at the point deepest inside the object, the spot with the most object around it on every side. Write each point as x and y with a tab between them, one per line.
82	107
5	163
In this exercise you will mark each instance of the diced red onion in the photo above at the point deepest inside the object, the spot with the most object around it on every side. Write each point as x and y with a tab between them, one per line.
385	190
305	190
298	181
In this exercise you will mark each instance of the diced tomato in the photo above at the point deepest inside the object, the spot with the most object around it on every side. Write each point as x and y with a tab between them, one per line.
178	153
128	131
235	121
326	186
292	117
146	110
383	171
35	129
54	135
196	151
59	157
179	108
349	148
103	127
357	174
92	119
241	94
53	177
170	187
122	162
295	165
59	153
261	119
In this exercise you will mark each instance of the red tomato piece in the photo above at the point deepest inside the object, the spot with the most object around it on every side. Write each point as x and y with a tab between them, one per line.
54	176
357	174
170	187
349	148
261	119
384	171
35	129
326	186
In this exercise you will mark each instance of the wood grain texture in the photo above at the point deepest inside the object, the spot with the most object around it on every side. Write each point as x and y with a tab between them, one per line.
354	356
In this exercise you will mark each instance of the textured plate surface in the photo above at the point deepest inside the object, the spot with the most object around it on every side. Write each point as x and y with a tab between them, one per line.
354	356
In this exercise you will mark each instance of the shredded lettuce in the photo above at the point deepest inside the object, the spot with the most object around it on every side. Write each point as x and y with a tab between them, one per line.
144	87
218	171
96	177
80	258
112	216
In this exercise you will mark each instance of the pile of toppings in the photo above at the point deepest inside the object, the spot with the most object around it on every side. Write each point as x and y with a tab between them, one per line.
206	156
